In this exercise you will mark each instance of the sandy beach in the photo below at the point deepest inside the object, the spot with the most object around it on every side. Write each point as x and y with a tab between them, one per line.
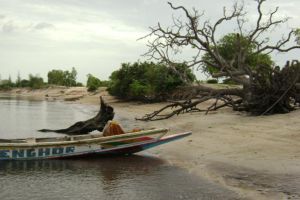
256	157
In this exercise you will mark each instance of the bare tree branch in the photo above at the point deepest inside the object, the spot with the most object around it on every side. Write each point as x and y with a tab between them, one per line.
166	43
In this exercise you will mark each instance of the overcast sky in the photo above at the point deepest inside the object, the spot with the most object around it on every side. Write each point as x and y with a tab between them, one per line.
95	36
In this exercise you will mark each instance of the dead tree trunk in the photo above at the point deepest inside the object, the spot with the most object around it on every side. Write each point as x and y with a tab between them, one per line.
98	122
242	56
276	91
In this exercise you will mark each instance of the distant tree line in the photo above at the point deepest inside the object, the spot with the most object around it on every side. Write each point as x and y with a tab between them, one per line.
33	81
55	77
145	81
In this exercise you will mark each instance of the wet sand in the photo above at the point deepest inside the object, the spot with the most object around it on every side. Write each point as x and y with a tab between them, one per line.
256	157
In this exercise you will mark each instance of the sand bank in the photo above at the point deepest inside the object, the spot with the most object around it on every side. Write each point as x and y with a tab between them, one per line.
257	157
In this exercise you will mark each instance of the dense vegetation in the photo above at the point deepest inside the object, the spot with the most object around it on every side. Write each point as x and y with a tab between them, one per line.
63	78
93	83
35	82
212	81
147	81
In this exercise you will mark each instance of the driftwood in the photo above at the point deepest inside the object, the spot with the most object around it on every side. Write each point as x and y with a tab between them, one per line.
98	122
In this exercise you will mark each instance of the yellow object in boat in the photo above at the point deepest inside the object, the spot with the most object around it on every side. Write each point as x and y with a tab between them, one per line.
112	128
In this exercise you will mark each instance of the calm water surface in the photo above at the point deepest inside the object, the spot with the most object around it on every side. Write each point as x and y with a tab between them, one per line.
139	177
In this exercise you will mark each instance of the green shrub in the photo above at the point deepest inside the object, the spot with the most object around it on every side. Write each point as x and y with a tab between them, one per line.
212	81
229	81
7	84
93	83
35	82
105	83
24	83
78	84
137	88
147	80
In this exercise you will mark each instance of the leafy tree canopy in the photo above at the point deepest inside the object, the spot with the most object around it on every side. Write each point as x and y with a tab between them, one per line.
93	83
147	80
35	82
229	48
65	78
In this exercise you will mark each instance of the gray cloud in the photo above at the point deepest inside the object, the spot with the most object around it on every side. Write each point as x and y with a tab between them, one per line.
95	36
8	27
43	25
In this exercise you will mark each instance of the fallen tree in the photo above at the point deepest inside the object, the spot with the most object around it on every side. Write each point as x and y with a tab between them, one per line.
98	122
265	89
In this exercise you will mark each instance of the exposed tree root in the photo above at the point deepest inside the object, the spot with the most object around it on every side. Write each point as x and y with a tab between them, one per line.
276	92
264	89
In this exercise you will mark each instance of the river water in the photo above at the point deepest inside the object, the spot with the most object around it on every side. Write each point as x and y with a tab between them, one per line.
141	177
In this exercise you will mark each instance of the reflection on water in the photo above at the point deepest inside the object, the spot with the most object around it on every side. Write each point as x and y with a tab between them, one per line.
135	177
77	179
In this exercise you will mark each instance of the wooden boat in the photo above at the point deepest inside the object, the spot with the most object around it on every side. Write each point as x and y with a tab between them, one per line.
84	145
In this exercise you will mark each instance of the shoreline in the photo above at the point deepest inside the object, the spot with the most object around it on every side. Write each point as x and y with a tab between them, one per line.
256	157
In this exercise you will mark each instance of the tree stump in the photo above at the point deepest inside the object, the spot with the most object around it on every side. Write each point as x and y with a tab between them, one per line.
98	122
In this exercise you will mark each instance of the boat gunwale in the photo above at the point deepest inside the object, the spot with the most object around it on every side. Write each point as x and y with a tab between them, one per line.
85	141
143	144
162	139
